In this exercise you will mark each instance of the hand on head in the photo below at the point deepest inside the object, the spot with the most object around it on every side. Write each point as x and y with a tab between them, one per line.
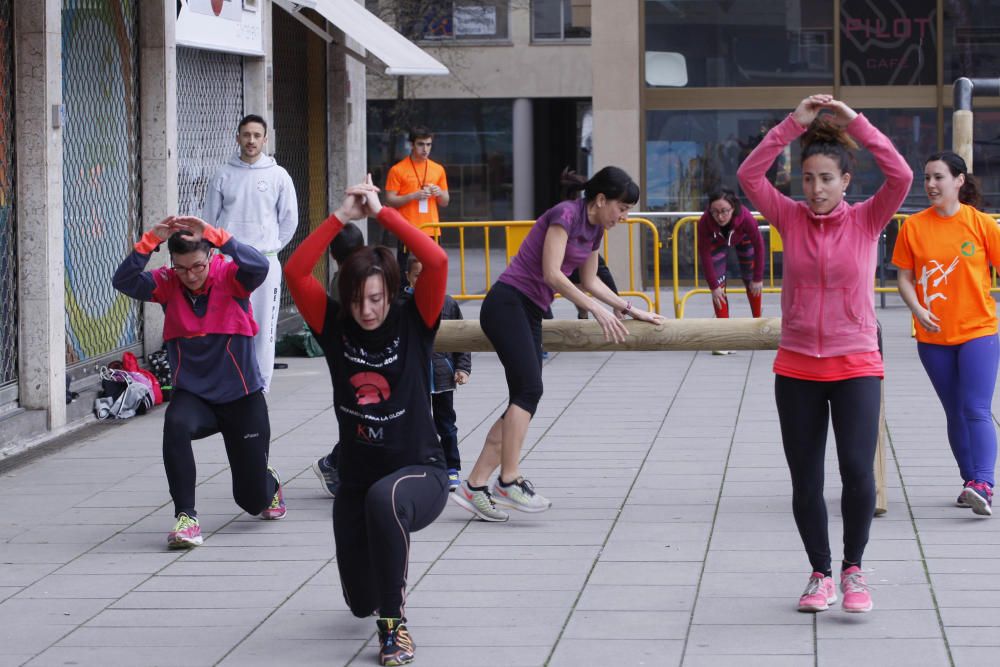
811	106
170	225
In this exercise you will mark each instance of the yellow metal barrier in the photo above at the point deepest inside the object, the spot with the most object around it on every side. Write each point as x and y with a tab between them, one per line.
774	245
515	232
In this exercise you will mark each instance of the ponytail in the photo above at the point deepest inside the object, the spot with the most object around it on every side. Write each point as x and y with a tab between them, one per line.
970	193
825	138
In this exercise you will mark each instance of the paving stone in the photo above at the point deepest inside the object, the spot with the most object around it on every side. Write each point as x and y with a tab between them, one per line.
681	537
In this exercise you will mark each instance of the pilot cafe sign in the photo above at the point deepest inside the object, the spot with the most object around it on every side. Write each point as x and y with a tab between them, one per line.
889	46
233	26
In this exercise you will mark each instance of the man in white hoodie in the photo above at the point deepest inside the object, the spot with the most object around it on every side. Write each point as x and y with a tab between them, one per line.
254	200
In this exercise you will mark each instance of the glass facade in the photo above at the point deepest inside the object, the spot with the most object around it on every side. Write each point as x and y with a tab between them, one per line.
473	139
719	74
694	43
688	153
971	39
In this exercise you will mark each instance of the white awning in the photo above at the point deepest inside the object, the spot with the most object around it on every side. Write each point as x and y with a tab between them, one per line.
400	56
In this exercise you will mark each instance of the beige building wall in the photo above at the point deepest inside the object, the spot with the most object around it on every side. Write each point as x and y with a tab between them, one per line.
615	50
512	69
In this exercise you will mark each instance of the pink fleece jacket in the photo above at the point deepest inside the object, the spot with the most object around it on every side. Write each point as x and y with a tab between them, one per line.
827	296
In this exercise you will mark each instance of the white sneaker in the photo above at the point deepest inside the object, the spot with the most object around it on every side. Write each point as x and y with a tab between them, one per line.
477	501
520	495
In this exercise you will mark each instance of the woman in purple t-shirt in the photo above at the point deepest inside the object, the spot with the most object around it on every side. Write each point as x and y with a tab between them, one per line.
566	237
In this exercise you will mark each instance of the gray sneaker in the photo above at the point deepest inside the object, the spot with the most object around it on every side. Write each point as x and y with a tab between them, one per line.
479	503
520	496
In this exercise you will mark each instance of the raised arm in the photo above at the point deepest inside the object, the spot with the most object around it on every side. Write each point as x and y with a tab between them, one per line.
877	211
430	289
705	248
752	173
757	241
307	292
130	277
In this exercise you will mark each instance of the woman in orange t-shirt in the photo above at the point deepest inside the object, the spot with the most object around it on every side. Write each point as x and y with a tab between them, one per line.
944	255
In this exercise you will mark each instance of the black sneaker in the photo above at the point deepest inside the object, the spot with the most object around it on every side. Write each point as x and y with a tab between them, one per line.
328	475
395	643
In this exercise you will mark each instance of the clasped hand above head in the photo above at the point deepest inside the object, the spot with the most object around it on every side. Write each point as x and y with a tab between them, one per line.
360	201
193	226
811	107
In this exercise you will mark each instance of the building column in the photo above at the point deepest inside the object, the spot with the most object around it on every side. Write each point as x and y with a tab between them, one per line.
40	232
524	160
258	78
158	131
347	157
614	43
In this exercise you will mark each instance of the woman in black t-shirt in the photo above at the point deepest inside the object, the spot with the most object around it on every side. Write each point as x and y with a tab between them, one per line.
391	465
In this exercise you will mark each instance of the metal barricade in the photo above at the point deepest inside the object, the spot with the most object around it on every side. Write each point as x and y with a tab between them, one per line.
774	245
514	233
101	184
209	106
8	219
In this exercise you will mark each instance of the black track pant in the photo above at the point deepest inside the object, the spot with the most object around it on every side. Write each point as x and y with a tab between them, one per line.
513	323
443	408
246	431
804	409
372	530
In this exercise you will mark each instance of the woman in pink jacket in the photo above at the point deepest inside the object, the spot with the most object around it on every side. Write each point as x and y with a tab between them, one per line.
828	363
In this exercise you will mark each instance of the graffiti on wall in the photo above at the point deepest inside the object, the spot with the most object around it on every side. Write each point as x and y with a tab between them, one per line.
101	186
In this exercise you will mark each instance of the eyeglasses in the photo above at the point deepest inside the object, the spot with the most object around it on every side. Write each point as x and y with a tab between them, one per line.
719	212
193	269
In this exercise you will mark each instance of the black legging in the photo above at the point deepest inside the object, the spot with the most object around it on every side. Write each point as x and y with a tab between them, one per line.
372	530
513	323
804	409
247	433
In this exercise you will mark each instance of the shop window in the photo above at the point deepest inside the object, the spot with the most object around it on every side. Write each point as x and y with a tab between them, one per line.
689	153
693	43
462	20
558	20
971	39
888	44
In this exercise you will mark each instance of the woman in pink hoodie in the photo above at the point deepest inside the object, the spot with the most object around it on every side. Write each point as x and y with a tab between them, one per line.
828	363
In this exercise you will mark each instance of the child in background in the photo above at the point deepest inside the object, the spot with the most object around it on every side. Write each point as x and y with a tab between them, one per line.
448	369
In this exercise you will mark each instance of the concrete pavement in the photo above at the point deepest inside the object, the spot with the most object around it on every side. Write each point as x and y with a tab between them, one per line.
670	540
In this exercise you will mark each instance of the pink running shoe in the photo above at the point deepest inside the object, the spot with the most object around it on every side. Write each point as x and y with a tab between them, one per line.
820	593
186	533
857	593
979	496
276	510
961	497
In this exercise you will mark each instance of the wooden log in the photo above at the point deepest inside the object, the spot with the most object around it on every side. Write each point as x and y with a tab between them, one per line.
587	336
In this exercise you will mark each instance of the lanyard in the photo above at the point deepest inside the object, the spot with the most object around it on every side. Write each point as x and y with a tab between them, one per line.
420	181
